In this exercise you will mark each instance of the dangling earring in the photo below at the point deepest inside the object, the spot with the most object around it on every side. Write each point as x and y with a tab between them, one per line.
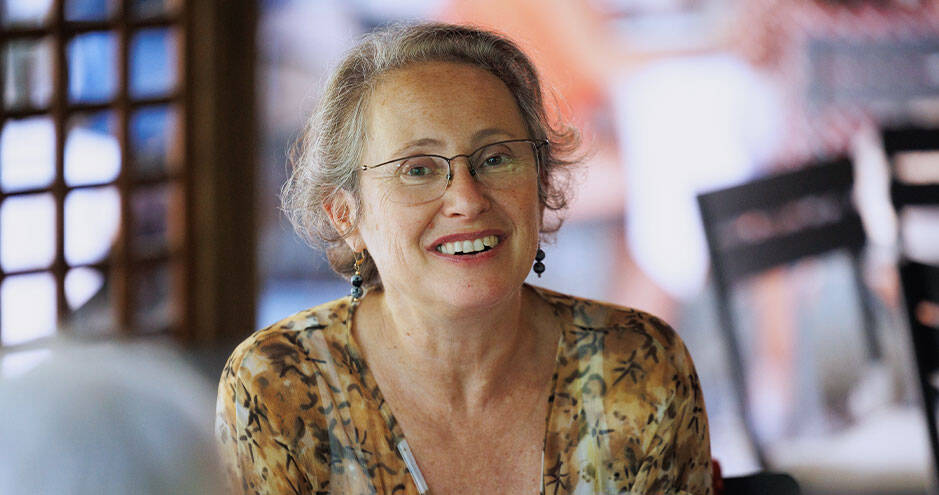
539	266
356	279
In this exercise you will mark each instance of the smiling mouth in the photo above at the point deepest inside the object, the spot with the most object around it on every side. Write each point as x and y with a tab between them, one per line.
469	247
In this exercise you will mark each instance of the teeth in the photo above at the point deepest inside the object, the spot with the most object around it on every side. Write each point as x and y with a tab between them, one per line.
468	246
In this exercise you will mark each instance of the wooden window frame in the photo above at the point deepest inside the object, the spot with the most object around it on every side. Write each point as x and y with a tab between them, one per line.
211	223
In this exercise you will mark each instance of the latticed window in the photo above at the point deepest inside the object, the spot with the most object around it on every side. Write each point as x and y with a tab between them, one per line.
93	167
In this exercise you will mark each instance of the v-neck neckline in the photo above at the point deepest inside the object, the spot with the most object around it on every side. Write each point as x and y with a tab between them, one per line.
384	407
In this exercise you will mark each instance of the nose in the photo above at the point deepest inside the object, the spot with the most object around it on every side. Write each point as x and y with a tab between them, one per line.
465	196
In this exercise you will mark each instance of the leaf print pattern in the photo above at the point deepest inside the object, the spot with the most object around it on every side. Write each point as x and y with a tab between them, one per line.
299	411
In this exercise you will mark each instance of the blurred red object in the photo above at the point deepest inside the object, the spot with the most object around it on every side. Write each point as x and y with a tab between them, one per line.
717	478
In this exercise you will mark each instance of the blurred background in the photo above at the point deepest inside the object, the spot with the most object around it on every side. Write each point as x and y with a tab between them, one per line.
144	143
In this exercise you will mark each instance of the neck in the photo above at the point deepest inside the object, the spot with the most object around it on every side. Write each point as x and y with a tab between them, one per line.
459	358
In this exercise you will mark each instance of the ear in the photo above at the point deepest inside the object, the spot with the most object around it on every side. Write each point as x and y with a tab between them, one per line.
341	213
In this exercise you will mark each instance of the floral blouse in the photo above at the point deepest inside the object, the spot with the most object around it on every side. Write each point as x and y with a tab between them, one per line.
300	412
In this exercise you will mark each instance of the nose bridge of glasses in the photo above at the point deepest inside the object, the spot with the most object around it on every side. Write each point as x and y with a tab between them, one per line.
470	166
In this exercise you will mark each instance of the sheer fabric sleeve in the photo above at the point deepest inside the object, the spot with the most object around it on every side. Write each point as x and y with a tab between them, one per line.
256	458
680	462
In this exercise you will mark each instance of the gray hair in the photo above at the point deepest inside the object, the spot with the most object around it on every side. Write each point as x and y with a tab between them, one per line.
325	158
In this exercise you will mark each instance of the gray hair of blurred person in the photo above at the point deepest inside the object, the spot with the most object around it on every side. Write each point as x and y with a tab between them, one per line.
326	157
107	417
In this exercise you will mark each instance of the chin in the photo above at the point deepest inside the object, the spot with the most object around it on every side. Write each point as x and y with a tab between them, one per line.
483	294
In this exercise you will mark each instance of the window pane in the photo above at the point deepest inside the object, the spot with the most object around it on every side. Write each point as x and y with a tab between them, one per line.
89	10
81	284
92	218
152	8
153	140
150	207
26	12
154	310
152	62
88	296
92	153
27	73
28	303
27	232
92	74
27	154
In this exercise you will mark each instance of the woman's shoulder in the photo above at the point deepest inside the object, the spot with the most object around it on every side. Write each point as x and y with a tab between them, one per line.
627	401
592	315
293	338
619	332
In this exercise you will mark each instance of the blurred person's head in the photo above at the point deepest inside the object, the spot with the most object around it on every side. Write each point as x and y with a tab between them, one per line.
107	418
328	155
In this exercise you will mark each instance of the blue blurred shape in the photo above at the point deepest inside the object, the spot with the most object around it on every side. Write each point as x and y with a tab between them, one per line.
152	62
92	67
151	132
88	10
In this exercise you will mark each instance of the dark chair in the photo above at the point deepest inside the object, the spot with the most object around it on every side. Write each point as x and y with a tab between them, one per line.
773	222
761	484
921	291
920	281
905	140
904	194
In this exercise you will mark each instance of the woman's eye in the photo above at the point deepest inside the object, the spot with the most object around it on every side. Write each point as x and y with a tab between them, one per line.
416	171
495	160
416	168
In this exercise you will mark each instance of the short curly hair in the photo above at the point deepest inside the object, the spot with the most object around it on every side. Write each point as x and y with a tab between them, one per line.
325	159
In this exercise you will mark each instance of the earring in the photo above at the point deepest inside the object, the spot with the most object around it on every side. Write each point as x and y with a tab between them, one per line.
539	266
356	279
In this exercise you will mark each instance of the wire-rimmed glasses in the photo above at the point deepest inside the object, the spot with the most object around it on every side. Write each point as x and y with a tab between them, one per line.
501	165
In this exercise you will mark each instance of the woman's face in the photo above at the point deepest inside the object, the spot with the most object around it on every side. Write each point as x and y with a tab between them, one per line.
445	108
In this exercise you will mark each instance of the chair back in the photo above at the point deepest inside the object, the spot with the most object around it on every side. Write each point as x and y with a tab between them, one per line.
907	140
907	191
921	291
761	484
775	221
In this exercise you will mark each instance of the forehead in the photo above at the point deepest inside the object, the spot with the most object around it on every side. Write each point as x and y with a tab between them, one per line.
444	102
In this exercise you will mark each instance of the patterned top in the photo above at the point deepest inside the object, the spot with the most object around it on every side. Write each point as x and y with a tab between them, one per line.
300	412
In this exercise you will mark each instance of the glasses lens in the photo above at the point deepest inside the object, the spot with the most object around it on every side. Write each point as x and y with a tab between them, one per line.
505	165
419	179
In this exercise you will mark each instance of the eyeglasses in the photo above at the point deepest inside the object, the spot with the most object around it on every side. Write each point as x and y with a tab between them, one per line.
502	165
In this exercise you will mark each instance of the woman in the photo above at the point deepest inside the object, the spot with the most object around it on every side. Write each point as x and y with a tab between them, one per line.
427	171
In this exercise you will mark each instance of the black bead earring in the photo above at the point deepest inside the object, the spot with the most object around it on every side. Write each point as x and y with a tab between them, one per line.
356	279
539	266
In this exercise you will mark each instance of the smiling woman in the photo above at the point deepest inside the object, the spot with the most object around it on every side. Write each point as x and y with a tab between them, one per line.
426	172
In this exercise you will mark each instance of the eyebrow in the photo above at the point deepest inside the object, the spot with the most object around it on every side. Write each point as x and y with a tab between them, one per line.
417	143
411	146
492	131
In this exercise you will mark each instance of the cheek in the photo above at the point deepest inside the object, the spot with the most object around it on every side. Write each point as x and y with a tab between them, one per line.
530	203
391	230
